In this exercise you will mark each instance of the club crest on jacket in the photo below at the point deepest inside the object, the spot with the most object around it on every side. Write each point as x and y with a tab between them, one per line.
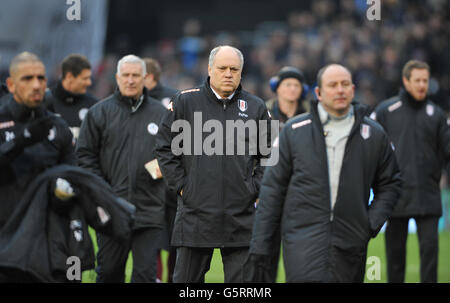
242	105
365	131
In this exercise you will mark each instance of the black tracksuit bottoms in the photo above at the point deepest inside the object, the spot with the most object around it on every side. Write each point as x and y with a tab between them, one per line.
112	257
395	237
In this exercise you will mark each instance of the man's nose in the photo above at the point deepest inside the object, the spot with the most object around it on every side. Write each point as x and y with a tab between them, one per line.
35	83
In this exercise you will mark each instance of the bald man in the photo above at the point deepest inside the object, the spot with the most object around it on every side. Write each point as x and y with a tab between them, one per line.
318	192
216	191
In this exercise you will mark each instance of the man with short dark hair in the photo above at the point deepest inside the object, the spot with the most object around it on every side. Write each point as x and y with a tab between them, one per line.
153	82
419	131
69	98
318	192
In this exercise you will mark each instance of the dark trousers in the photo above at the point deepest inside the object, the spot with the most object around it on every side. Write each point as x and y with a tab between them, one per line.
274	257
193	263
170	213
112	257
395	237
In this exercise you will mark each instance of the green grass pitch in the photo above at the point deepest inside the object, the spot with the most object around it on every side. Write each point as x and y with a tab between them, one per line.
376	248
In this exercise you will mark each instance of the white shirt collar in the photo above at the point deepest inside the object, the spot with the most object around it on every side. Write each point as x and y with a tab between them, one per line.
219	97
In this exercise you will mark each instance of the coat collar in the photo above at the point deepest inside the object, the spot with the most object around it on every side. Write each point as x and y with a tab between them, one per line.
64	95
21	112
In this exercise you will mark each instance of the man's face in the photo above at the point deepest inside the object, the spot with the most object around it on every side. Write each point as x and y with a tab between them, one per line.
79	84
27	84
417	85
130	80
225	72
289	90
337	90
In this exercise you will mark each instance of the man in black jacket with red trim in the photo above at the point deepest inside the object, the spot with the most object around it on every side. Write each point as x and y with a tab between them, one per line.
216	188
420	133
319	190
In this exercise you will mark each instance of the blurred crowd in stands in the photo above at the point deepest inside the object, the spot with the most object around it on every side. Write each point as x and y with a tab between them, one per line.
330	31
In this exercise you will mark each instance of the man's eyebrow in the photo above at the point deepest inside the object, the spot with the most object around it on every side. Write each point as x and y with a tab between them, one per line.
27	77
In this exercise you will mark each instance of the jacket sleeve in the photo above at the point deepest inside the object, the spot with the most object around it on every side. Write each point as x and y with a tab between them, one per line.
169	162
67	149
444	137
8	152
264	134
88	145
274	186
386	187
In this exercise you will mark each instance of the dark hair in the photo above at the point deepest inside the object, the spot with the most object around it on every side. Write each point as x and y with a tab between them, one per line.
153	68
322	71
413	64
74	64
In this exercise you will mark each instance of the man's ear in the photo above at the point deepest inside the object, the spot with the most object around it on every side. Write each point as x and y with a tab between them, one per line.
209	70
317	91
11	85
69	76
405	81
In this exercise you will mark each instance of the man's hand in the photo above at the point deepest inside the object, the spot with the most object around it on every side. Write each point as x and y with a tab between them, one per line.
35	131
63	189
158	173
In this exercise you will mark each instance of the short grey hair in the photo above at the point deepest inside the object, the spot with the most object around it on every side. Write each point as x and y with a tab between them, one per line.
131	59
212	55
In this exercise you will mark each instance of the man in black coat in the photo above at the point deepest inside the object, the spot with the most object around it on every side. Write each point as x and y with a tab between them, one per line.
163	93
117	140
419	131
216	186
319	190
32	139
69	97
